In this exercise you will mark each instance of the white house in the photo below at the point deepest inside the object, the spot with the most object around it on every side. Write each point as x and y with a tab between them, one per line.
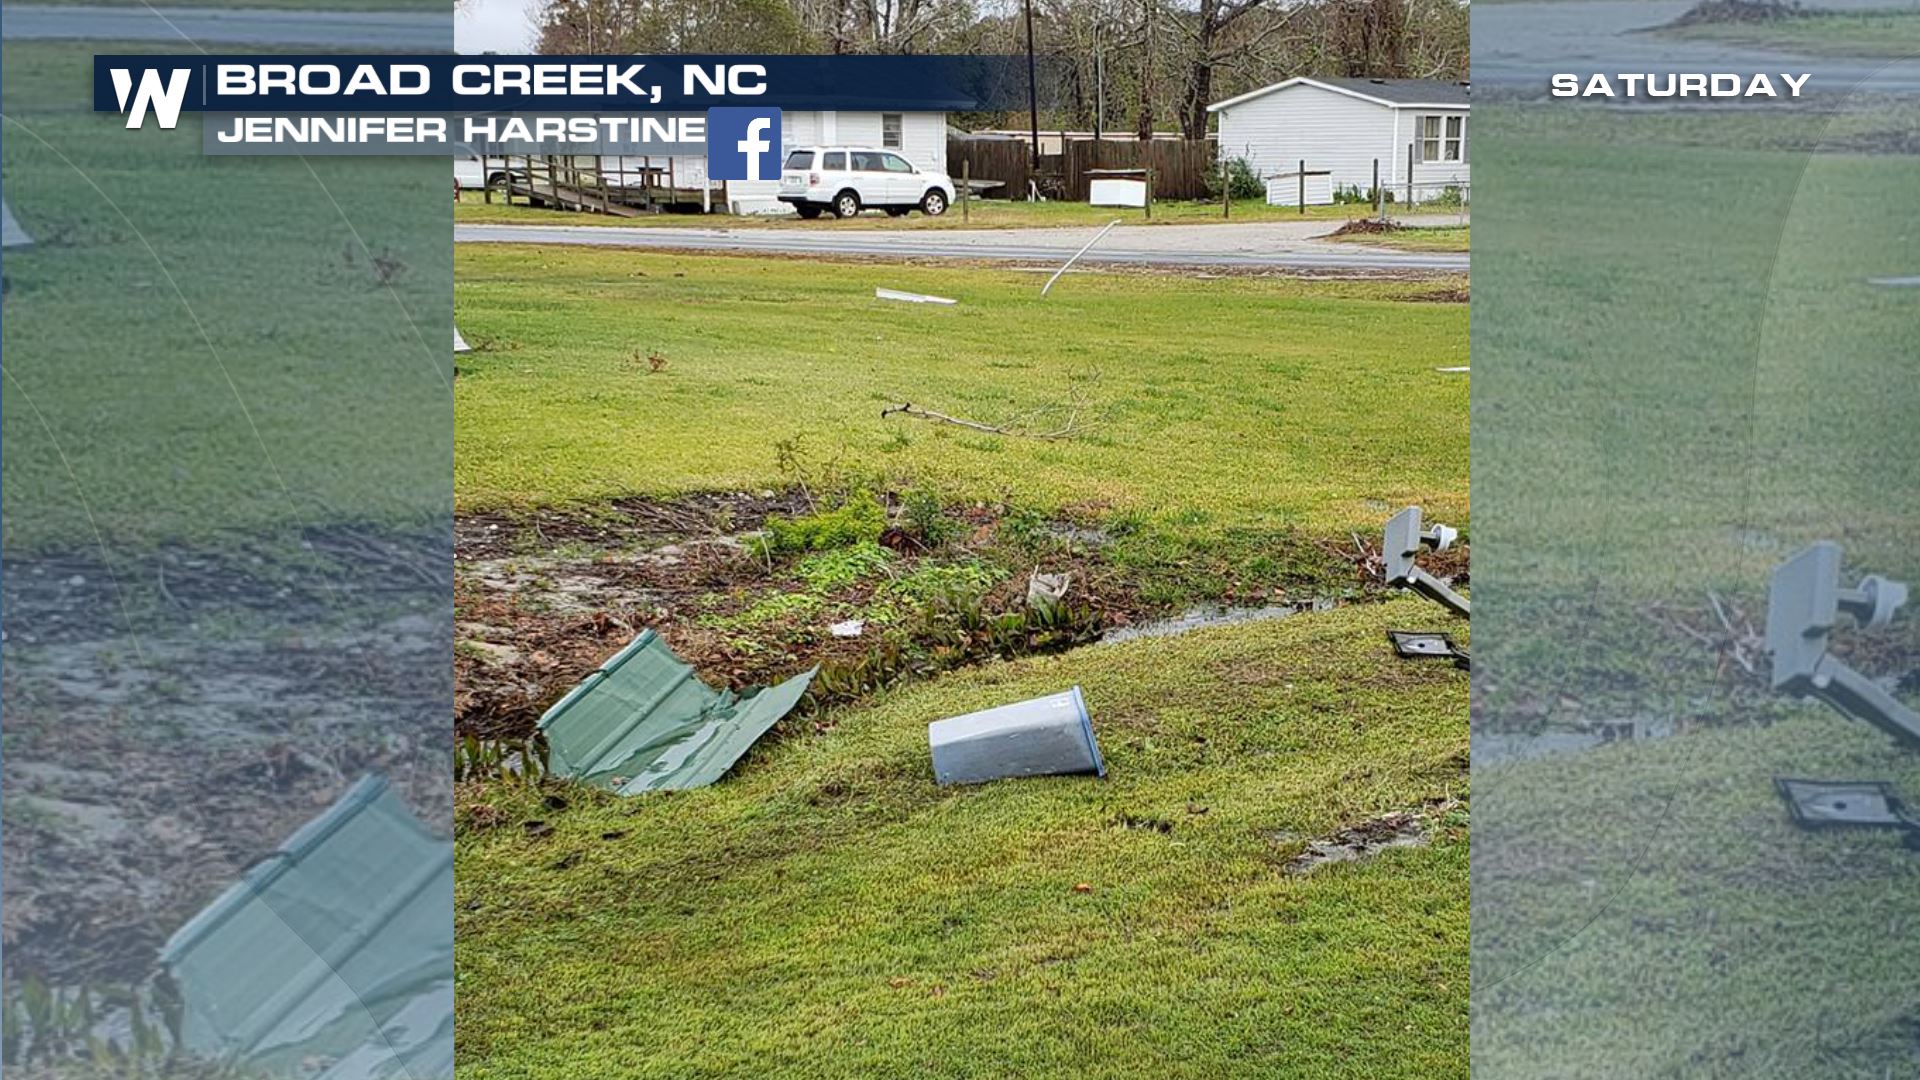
1345	125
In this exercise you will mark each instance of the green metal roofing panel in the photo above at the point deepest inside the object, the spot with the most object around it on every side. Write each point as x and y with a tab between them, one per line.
337	947
643	722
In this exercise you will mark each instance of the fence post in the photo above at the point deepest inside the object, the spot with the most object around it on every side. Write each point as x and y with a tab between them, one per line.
966	188
1379	196
1407	207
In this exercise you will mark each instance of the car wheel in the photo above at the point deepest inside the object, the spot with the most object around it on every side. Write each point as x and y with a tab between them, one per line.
846	204
810	213
933	203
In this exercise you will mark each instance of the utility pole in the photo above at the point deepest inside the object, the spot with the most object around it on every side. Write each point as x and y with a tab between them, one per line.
1033	90
1099	83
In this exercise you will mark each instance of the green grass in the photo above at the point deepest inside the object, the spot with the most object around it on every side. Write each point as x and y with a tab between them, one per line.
1231	402
1680	380
1893	34
1420	238
826	911
1650	911
167	335
983	214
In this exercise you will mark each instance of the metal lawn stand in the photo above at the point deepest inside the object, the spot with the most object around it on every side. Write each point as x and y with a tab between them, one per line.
1804	604
1403	541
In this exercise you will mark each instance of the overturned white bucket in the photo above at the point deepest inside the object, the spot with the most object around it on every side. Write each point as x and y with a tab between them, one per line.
1045	736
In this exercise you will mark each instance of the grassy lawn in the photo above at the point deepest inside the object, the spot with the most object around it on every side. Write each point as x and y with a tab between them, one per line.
162	356
1651	907
1329	384
1679	382
1419	238
984	214
828	912
1893	34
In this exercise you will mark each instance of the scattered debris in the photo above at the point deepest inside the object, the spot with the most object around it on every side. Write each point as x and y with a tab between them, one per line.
1453	370
1366	227
459	343
852	628
1047	590
1859	804
1043	736
911	297
1428	645
643	722
1076	255
1078	401
11	234
337	947
1896	282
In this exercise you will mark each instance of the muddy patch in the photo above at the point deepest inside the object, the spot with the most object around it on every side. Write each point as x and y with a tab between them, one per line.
753	589
171	718
1404	828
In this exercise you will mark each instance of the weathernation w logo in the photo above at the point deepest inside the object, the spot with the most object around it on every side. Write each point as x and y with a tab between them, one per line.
743	144
165	98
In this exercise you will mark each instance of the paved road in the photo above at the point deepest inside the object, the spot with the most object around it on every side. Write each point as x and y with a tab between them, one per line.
1521	45
1282	245
376	30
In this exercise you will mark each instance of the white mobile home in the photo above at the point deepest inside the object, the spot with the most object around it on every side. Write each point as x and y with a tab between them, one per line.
1345	125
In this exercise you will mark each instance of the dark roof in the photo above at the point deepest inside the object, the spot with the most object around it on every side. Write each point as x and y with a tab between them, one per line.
1405	91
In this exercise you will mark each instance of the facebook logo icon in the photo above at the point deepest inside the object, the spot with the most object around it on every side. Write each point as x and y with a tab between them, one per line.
743	144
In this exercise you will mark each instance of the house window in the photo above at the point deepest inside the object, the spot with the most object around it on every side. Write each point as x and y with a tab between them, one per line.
1443	138
890	131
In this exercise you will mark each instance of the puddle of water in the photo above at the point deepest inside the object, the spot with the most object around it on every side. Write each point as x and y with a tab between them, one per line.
1210	615
1502	747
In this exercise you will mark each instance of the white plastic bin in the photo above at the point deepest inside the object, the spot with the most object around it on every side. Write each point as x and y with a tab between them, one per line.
1042	737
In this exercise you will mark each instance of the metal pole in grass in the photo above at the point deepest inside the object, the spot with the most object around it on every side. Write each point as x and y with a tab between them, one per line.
1379	196
1407	207
1303	186
1149	196
966	189
1076	256
1226	191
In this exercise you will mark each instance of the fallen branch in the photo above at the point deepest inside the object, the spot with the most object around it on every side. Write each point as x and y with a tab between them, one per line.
1065	431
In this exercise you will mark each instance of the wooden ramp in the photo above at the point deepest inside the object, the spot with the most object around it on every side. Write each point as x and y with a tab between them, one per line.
570	198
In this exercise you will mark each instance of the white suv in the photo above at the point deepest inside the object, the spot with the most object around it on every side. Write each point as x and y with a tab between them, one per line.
849	179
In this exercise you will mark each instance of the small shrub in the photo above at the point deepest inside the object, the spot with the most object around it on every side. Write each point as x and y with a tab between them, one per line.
926	518
860	520
1239	178
828	571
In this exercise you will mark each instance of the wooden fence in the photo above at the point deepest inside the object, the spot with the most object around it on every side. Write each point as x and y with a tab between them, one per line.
1179	167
